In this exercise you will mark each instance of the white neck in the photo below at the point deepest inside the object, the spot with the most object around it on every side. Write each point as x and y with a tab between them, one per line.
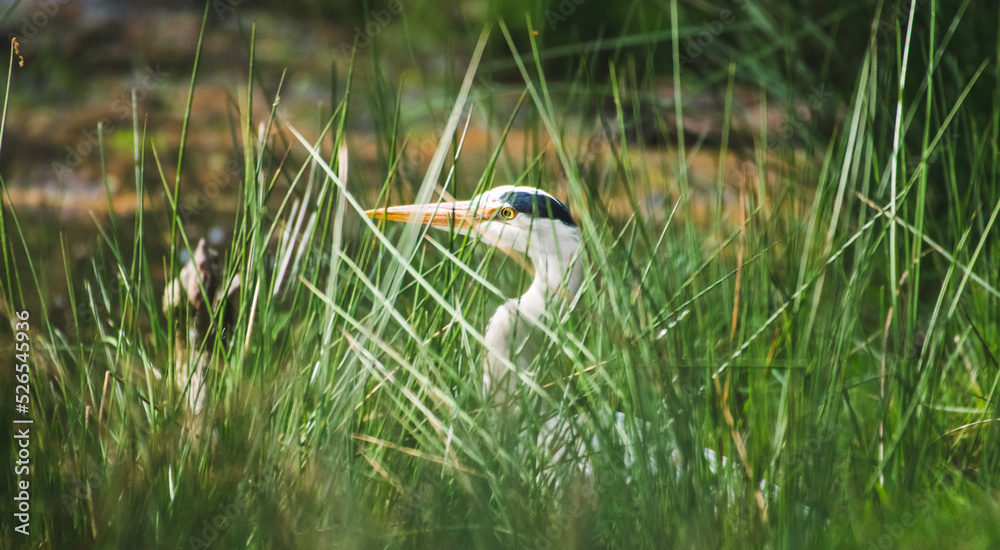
558	278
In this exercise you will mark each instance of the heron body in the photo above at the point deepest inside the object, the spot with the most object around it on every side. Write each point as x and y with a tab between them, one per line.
524	220
534	223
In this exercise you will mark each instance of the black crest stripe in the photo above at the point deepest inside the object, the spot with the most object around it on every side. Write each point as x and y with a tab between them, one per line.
540	205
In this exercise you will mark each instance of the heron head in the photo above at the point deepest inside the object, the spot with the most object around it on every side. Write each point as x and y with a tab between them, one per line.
523	219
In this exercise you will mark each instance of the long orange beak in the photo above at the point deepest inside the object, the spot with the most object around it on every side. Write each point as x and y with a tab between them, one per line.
461	215
445	215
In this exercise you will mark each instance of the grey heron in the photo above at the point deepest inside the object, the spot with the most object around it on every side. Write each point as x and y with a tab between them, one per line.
521	219
532	222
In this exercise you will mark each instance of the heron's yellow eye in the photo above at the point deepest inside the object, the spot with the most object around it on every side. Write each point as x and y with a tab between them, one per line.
507	212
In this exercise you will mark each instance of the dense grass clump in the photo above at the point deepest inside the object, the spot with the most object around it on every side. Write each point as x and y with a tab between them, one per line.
820	315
